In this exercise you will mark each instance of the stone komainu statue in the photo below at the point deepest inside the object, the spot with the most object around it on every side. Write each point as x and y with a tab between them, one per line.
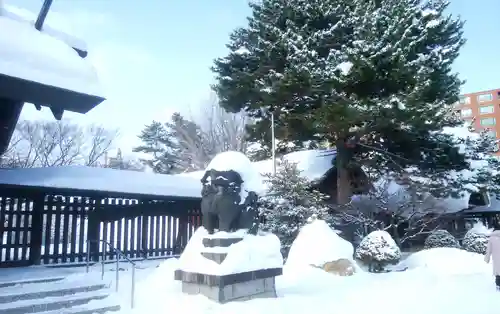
221	204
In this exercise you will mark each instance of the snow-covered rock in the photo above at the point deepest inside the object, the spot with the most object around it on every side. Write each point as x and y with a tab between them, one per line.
447	261
317	244
254	252
380	248
476	239
441	238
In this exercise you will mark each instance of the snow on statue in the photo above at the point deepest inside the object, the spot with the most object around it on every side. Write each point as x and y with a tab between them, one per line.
229	194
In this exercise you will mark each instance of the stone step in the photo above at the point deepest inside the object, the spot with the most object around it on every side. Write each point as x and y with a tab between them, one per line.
86	309
11	283
29	291
52	303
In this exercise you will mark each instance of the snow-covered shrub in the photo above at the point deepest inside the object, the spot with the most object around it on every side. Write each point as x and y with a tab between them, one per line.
289	203
476	239
441	238
378	249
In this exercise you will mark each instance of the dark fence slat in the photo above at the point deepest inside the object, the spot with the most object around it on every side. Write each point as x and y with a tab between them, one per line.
126	238
157	236
163	235
48	228
119	229
37	230
112	230
73	256
58	212
82	234
18	229
10	223
173	235
133	239
27	230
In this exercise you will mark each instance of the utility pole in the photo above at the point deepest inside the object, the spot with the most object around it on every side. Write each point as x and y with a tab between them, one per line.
273	144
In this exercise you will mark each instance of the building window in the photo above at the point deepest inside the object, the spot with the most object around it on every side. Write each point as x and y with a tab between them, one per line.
484	97
486	109
488	121
464	100
466	112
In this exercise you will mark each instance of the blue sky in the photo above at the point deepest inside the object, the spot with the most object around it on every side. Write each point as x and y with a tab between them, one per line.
153	57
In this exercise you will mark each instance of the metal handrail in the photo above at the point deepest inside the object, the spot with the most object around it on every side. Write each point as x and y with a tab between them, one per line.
118	254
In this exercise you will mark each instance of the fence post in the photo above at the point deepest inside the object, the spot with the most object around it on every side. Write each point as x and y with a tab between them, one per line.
37	229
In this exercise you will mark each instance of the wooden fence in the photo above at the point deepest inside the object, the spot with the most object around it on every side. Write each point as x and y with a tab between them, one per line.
39	228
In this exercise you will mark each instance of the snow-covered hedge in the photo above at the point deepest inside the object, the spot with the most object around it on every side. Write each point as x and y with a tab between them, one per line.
476	239
441	238
378	249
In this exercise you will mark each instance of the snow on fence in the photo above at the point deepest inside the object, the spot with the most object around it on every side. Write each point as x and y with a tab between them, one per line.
66	221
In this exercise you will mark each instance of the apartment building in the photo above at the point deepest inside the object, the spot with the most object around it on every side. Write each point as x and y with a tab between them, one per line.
484	107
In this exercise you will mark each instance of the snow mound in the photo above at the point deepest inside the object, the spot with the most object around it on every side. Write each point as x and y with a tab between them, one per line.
446	260
240	163
317	244
378	246
254	252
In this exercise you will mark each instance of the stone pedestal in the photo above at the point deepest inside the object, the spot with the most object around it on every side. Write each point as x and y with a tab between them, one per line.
232	287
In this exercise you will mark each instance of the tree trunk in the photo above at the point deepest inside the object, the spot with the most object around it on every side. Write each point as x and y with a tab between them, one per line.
343	180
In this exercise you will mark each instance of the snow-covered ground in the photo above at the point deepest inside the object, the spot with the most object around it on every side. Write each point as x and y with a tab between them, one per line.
438	281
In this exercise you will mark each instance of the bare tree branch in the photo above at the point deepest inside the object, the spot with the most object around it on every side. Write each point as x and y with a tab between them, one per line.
408	213
56	143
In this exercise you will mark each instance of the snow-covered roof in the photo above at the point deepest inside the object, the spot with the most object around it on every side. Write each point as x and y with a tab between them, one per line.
103	179
313	164
27	55
26	16
492	207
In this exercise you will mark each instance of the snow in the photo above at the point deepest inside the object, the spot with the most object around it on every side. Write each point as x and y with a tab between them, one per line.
379	246
449	261
471	291
317	244
254	252
28	17
345	67
313	164
103	179
480	228
242	50
37	56
240	163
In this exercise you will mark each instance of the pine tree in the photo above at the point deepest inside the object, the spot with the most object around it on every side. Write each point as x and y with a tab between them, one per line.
372	77
160	145
289	203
